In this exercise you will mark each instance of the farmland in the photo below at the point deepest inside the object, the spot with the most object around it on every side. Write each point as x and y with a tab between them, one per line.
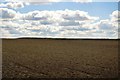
50	58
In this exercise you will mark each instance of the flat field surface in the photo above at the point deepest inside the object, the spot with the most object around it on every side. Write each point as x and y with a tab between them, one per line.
49	58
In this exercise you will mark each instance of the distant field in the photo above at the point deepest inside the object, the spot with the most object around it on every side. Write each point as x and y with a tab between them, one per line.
47	58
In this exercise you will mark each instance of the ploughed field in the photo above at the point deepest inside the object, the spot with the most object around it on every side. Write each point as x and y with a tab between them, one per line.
50	58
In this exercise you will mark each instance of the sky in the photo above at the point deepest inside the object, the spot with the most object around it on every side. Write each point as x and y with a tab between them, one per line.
101	9
58	19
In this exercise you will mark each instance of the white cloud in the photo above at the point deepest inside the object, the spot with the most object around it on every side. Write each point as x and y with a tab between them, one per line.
69	23
82	0
7	13
44	1
106	25
65	17
106	0
60	23
14	5
5	33
115	16
77	15
49	0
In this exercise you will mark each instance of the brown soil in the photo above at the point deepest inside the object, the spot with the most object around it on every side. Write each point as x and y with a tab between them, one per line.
48	58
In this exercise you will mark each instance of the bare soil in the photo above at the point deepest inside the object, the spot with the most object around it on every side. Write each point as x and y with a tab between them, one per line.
49	58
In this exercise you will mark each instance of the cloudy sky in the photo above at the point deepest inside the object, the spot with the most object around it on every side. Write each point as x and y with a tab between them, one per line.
58	19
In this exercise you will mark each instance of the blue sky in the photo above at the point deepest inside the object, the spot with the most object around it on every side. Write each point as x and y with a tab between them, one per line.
101	9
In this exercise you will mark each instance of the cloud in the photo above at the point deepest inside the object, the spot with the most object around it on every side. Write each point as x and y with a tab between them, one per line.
109	26
106	25
14	5
60	23
115	19
69	23
77	15
106	0
82	0
115	16
50	0
7	13
9	32
59	16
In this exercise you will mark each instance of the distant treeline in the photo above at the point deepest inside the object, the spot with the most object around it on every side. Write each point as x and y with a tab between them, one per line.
62	38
